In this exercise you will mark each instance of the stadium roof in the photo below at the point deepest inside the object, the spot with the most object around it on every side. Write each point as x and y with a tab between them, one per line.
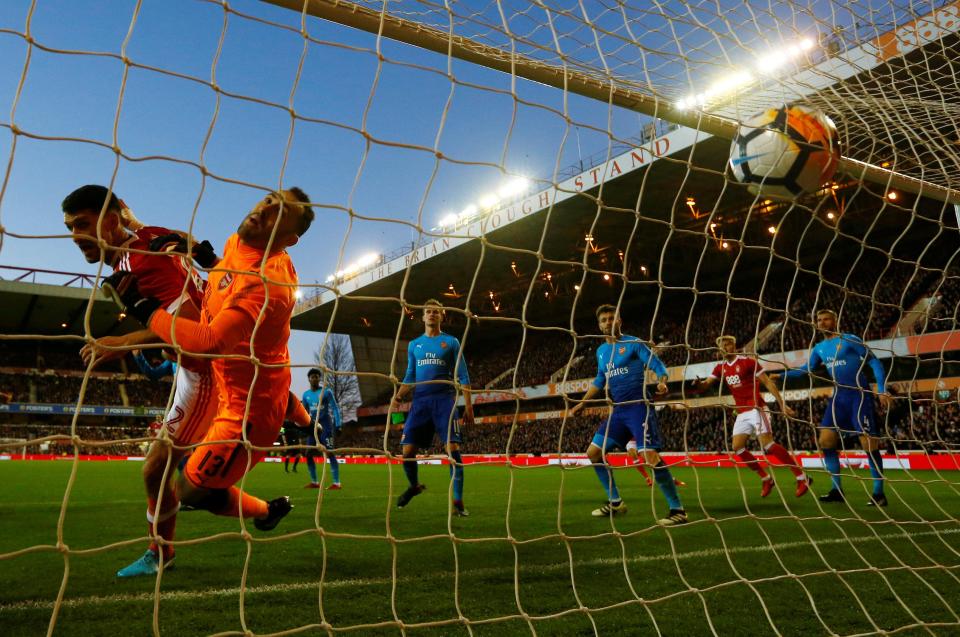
55	306
534	251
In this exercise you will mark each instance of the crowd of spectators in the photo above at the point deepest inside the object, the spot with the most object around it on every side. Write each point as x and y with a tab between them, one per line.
53	370
61	389
865	308
113	438
685	329
15	388
924	424
16	353
919	424
148	393
947	294
53	388
48	354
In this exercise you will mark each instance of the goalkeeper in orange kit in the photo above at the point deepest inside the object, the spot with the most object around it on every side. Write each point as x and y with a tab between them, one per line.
246	311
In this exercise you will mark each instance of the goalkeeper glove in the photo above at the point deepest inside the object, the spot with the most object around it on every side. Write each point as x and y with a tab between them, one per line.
122	287
203	252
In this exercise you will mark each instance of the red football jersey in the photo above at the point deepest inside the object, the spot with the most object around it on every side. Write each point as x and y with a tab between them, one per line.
159	276
740	376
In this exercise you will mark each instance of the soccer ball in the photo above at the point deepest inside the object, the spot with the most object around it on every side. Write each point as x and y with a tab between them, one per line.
785	152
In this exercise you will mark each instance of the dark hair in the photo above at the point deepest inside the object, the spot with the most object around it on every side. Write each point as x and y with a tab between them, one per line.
314	371
90	197
605	309
307	216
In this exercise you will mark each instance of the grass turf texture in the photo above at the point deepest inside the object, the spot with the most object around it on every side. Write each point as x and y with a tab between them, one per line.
743	565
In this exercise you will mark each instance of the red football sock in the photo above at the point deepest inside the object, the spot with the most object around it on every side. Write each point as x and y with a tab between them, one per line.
243	505
782	455
166	522
642	470
750	460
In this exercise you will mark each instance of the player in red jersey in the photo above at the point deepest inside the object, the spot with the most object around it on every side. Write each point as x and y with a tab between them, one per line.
245	322
634	454
742	376
175	283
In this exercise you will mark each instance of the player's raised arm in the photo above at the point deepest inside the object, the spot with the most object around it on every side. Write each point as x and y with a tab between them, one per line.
701	384
230	327
181	243
771	387
813	361
154	372
107	348
652	361
595	388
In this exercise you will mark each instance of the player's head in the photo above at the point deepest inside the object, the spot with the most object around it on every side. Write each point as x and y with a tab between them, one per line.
727	344
608	320
81	213
313	377
826	321
289	210
432	313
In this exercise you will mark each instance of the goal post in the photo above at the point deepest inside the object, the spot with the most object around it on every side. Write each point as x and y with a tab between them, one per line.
552	228
599	86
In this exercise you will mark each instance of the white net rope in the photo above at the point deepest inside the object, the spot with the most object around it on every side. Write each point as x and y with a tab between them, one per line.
684	253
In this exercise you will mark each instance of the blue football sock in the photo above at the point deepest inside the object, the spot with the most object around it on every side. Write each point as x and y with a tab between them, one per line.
661	473
831	460
876	470
334	468
312	469
606	479
410	468
457	472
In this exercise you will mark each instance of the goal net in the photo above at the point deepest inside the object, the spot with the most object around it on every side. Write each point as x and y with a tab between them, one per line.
521	165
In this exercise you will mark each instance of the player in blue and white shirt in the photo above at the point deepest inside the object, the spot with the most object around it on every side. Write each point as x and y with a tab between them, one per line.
433	360
622	364
326	421
850	412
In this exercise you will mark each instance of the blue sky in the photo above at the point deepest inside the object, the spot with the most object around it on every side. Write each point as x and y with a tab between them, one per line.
163	116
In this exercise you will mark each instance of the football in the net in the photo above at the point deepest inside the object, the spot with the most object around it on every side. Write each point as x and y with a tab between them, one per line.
785	152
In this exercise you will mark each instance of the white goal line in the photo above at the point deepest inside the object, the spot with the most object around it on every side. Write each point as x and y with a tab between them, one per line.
175	596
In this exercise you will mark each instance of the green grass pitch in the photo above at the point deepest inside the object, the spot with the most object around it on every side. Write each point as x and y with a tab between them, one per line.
529	560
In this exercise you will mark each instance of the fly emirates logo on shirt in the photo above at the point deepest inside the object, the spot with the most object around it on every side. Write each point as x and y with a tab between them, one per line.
835	362
613	370
431	359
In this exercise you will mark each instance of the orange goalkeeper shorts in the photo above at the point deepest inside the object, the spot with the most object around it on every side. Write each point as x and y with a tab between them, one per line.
221	458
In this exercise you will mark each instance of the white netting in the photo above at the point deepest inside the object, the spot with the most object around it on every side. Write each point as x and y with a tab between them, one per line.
597	130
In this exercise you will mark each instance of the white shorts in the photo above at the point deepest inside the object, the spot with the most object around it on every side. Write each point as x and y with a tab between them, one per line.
632	445
194	406
752	423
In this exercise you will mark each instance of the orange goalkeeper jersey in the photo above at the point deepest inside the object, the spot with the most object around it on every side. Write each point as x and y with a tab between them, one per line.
231	320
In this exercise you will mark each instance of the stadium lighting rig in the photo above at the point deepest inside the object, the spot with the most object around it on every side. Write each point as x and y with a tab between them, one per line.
486	203
439	40
729	84
355	268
